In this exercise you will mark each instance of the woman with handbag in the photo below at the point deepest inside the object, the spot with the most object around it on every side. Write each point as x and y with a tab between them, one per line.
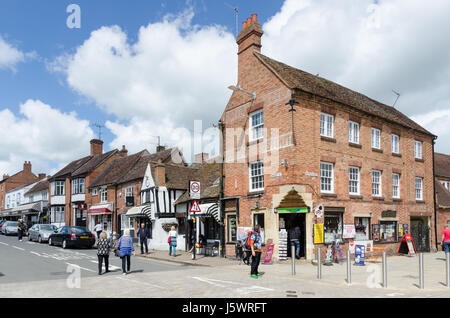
126	249
172	240
103	252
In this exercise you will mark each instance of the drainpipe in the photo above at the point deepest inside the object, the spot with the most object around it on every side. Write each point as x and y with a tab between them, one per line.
434	198
221	194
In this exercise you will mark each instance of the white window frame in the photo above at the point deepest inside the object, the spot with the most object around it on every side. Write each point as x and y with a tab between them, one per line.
394	184
351	175
417	149
129	191
104	195
377	183
376	138
446	184
256	131
353	132
326	173
251	169
395	143
419	190
94	191
326	125
58	185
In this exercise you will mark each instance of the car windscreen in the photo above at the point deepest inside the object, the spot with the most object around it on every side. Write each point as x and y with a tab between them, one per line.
48	227
12	224
78	230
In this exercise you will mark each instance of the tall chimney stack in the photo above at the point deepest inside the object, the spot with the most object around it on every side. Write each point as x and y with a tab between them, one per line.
96	147
27	166
160	173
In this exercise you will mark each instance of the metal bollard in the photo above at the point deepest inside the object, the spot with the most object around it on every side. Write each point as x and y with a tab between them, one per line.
349	268
293	259
384	270
447	263
319	264
421	278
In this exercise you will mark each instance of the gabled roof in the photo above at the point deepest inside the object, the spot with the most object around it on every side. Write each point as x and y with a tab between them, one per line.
442	164
93	163
71	167
209	176
166	155
117	169
40	186
298	79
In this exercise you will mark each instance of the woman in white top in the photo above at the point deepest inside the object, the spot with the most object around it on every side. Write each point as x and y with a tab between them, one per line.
173	241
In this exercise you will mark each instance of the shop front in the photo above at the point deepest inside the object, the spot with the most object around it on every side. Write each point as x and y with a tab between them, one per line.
101	214
208	227
80	214
133	219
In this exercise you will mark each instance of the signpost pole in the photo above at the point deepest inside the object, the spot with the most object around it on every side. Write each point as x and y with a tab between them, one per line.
349	268
384	270
195	240
293	258
421	282
319	264
447	263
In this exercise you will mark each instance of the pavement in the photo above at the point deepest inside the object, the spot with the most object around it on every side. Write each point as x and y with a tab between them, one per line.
38	270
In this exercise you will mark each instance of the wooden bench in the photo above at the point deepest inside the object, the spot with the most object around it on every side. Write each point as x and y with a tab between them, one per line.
377	251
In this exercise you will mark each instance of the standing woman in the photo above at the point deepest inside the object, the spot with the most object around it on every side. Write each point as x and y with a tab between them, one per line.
255	244
173	241
125	246
103	253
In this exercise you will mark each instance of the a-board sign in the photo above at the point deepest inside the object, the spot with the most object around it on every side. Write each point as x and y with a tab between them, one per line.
195	207
194	189
360	255
407	246
269	253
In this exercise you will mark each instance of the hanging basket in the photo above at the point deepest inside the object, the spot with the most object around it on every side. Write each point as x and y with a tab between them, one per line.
167	226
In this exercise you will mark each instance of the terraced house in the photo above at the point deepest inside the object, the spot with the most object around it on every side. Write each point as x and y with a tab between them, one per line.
294	141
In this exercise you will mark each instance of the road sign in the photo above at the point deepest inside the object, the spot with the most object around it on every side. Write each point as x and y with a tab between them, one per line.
194	189
195	207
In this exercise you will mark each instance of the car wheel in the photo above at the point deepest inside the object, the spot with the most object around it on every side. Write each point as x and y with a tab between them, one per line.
30	238
64	244
50	241
40	239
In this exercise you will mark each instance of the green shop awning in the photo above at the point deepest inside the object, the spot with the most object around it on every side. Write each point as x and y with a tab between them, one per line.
293	210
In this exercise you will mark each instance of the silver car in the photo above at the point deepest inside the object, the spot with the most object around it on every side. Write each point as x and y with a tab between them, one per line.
10	228
41	232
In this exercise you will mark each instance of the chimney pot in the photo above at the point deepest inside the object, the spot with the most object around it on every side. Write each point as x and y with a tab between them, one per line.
249	21
244	25
254	17
123	152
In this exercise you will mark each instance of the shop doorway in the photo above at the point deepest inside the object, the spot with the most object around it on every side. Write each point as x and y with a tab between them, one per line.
420	232
291	221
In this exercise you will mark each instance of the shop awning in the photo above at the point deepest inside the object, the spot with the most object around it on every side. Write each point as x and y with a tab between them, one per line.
5	213
30	208
210	209
143	210
100	209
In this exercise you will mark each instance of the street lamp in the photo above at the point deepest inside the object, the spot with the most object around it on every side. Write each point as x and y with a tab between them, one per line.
237	88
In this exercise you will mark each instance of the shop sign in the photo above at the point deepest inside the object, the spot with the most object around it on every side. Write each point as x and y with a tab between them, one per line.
360	254
388	214
293	210
349	231
318	233
269	253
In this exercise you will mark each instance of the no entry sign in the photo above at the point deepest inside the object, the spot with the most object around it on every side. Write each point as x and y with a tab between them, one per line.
194	189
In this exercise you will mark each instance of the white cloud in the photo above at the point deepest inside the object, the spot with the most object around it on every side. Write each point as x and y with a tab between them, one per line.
10	56
43	135
372	48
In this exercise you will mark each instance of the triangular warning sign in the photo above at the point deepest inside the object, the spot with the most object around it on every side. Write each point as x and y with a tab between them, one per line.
195	207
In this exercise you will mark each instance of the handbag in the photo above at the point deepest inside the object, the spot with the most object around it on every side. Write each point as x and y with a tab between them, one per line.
168	240
117	252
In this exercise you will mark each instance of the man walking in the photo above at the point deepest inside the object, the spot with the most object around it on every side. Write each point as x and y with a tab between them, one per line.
294	235
20	230
446	239
143	234
255	245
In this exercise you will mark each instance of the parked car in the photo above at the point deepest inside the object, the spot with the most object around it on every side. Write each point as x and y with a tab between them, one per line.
1	224
41	232
72	236
10	228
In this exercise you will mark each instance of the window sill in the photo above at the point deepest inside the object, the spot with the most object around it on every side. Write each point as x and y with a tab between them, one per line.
329	139
255	141
355	197
351	144
378	198
396	155
419	160
255	193
384	242
328	195
377	150
420	201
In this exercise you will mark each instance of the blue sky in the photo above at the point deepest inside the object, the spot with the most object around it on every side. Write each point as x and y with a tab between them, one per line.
56	82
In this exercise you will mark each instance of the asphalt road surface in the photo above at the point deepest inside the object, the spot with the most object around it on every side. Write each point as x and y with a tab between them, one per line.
31	261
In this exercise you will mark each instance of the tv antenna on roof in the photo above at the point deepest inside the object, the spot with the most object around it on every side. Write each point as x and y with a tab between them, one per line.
236	11
99	130
398	96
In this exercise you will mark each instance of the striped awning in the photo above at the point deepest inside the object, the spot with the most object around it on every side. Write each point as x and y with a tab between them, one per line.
143	210
210	209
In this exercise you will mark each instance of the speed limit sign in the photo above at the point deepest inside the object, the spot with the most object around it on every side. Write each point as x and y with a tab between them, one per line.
194	189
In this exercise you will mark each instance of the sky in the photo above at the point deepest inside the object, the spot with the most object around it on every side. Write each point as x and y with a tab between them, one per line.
143	69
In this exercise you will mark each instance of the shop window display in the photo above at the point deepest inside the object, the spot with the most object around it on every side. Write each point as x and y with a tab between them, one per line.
333	227
362	226
386	231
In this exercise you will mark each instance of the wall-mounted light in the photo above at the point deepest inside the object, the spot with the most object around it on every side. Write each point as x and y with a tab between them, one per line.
284	162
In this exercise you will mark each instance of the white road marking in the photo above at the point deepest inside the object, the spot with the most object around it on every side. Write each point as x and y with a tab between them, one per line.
86	269
30	243
37	254
110	266
4	243
213	281
240	290
19	248
140	282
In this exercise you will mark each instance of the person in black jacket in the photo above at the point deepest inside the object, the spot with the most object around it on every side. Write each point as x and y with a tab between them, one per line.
143	234
294	234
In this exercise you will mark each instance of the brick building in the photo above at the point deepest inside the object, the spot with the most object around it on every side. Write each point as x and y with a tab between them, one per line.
368	165
442	174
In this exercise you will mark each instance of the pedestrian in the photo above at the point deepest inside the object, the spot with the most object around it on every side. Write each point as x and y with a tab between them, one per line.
294	234
255	244
446	239
126	249
143	234
103	253
193	239
20	229
172	241
98	228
